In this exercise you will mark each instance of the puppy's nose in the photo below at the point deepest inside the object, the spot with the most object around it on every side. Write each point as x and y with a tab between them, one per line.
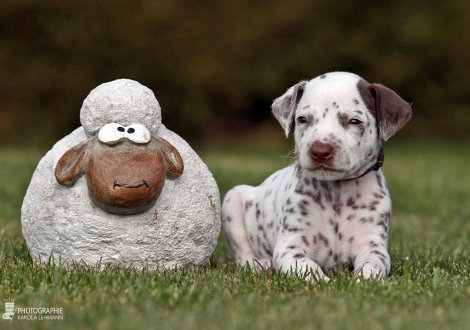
321	152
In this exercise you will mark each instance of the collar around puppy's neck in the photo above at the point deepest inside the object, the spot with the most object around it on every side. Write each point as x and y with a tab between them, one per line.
375	167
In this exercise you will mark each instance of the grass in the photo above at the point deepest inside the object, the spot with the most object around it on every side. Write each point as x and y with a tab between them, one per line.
429	287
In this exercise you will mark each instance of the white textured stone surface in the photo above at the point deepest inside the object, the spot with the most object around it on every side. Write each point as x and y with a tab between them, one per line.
180	229
122	101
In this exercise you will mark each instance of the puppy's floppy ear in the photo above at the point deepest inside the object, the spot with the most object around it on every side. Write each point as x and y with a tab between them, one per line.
283	107
390	110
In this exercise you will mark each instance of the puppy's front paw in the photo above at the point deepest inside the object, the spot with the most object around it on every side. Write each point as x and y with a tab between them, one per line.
309	270
257	265
369	271
261	264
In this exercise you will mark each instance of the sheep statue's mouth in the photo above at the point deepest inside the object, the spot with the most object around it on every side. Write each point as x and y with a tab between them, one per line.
144	183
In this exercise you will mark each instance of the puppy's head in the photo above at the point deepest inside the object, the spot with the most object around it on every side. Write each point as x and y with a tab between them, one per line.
340	120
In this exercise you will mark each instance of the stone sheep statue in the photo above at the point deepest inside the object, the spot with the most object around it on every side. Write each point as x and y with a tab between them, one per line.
122	189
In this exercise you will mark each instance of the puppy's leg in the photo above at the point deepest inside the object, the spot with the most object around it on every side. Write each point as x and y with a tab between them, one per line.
234	223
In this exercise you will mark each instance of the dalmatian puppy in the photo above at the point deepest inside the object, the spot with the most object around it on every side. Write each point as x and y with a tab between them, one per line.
331	207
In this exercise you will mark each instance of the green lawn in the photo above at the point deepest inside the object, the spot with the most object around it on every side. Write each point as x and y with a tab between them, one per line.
429	287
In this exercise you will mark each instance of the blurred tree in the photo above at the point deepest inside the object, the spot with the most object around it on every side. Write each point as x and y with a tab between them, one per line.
217	64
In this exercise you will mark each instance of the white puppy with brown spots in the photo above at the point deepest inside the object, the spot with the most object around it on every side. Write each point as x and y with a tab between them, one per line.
331	208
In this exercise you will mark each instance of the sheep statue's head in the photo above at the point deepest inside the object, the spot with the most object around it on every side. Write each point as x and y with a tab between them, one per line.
125	164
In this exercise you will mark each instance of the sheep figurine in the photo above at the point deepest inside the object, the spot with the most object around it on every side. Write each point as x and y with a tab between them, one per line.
122	188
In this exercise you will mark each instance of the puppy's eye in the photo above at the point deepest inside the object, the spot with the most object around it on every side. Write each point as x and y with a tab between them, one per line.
355	122
111	132
138	133
301	120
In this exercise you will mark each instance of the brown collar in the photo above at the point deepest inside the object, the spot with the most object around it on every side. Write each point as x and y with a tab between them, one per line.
375	167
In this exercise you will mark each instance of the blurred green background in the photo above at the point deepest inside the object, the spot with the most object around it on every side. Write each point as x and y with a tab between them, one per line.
216	65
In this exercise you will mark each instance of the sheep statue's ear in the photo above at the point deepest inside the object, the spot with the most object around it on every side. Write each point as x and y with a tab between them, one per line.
71	166
171	157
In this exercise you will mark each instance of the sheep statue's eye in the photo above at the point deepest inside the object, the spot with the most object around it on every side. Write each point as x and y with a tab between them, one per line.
138	133
111	132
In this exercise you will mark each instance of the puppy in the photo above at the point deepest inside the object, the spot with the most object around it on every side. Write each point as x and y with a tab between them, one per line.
331	207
